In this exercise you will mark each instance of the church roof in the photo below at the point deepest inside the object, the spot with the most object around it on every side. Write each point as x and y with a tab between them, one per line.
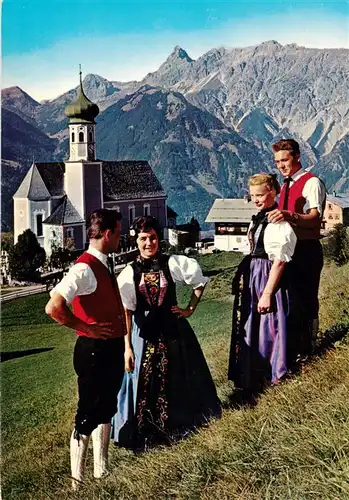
43	180
82	110
64	214
52	174
124	180
33	186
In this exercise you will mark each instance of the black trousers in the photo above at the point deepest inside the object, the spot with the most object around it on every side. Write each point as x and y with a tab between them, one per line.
99	365
303	275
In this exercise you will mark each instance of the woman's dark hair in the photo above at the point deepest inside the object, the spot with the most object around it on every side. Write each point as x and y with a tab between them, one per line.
145	224
99	221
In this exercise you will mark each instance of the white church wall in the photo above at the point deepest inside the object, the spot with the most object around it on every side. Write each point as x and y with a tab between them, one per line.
74	186
21	216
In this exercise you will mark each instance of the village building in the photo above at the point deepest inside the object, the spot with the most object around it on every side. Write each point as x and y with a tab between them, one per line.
231	218
55	198
336	210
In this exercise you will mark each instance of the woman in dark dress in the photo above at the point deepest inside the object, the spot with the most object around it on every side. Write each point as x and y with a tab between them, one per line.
167	388
259	336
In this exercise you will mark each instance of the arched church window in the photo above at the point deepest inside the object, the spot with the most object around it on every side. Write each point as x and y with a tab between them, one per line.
90	137
146	209
72	137
39	228
81	137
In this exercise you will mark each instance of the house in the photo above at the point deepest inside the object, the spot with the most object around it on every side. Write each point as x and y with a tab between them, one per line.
185	235
55	198
231	218
336	210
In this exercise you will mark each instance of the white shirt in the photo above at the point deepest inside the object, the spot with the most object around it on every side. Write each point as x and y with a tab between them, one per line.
182	269
314	191
279	241
80	279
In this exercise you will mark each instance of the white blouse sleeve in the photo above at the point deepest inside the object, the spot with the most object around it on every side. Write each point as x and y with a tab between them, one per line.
127	288
186	270
280	241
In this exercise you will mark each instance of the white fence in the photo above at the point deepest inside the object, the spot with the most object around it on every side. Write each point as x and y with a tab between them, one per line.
22	293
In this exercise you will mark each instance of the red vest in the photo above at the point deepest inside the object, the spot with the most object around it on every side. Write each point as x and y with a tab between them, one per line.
104	304
296	202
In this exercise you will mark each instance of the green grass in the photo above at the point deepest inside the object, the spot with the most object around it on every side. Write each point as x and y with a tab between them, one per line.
293	445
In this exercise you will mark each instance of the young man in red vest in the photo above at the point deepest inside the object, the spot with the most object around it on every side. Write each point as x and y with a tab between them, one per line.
98	318
302	201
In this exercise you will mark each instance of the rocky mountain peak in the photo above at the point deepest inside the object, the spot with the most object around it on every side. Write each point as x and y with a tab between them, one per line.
179	53
15	92
97	88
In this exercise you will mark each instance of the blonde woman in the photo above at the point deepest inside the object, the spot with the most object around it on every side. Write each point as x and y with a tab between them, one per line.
259	337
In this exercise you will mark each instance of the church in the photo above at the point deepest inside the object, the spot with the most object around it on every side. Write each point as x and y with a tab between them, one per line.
54	198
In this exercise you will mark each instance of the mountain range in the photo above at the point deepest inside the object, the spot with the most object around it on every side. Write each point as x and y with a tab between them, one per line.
204	125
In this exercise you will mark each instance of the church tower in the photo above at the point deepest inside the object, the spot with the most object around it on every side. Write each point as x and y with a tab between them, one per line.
82	136
83	183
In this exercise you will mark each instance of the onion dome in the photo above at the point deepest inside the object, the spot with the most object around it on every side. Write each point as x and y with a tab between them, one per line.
82	110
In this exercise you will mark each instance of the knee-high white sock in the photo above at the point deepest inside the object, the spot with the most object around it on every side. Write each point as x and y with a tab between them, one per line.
100	439
78	454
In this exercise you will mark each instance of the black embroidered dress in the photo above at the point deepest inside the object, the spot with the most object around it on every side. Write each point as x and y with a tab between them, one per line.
171	389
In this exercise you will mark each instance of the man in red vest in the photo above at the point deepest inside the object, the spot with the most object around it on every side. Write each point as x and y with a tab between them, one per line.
301	203
98	318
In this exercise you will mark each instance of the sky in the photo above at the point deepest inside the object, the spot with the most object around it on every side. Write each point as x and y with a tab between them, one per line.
44	41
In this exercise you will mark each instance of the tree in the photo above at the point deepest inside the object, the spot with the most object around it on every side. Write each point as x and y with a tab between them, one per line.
61	257
337	245
26	257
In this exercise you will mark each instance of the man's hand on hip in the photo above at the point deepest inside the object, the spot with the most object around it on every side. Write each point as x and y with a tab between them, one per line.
99	330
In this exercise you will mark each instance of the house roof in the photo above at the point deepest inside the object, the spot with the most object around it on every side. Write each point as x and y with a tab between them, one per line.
64	214
231	210
340	199
130	180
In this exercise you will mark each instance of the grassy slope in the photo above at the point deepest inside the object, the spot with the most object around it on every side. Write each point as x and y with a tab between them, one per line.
293	445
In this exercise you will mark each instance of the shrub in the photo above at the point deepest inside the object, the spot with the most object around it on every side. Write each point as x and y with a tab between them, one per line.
336	247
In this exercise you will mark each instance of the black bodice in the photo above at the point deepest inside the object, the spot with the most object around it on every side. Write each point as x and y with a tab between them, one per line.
256	234
153	314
